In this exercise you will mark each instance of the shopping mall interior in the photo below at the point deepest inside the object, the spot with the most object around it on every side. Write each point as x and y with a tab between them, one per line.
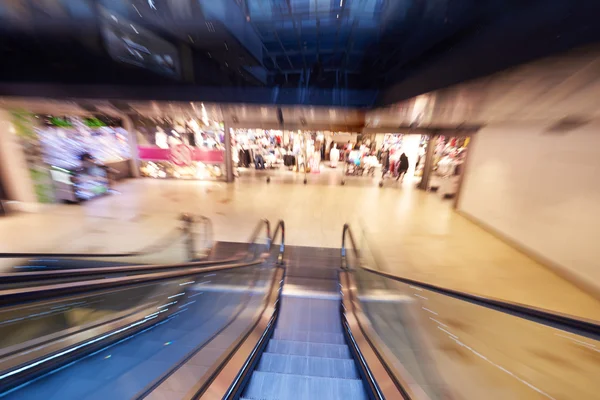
300	199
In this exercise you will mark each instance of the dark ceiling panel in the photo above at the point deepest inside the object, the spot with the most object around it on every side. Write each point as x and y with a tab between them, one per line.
410	45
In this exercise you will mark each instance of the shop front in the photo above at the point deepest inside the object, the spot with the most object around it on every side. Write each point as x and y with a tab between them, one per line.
292	150
83	154
180	148
392	147
56	158
447	166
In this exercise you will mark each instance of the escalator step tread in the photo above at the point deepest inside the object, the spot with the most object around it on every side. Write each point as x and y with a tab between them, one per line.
273	386
309	336
308	349
309	366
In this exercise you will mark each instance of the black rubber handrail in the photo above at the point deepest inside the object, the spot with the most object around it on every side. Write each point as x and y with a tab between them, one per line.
177	270
265	224
27	277
186	218
564	322
17	296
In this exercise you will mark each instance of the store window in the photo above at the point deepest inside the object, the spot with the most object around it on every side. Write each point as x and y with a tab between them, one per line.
83	154
448	164
180	148
412	146
297	151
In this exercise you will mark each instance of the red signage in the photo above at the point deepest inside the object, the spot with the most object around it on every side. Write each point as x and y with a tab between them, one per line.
181	155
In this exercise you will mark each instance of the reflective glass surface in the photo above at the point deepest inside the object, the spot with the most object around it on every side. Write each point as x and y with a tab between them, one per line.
195	309
454	348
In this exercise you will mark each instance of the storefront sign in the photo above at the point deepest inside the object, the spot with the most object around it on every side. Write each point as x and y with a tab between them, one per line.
181	155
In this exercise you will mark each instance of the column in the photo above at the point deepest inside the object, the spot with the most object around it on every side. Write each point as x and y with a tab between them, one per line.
433	138
134	162
14	170
228	154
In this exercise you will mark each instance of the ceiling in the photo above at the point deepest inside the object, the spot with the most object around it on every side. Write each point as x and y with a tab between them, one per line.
401	48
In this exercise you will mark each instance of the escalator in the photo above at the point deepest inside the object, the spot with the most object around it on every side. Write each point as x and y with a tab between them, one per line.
290	325
307	355
189	246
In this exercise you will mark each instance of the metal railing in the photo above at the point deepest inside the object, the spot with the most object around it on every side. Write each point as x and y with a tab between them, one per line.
553	319
265	224
187	231
189	221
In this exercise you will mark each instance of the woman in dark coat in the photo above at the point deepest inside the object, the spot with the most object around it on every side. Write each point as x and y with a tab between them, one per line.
402	167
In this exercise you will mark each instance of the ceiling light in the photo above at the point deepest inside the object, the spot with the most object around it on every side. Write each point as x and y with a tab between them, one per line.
341	3
226	47
138	11
133	27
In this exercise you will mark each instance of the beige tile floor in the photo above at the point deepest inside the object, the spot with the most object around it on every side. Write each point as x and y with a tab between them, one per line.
417	233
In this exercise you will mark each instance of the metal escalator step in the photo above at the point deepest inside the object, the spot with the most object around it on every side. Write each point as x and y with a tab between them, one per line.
308	336
308	349
309	366
273	386
320	324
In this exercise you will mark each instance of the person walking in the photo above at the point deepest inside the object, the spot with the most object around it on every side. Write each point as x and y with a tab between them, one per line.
402	167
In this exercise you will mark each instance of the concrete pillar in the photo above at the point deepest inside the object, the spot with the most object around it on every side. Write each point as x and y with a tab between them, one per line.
14	170
428	162
228	153
134	162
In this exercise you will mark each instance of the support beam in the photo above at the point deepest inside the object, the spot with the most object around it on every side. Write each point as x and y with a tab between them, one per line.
428	162
283	48
228	151
298	34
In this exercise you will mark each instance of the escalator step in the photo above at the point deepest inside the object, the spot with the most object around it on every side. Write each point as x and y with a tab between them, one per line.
272	386
308	336
308	349
309	366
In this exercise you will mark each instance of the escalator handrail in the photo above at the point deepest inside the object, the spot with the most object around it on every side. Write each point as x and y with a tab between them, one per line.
152	248
265	224
347	232
579	326
37	276
280	228
18	296
10	296
23	277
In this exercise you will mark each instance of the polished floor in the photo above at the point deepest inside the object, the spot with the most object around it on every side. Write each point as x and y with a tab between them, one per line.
417	234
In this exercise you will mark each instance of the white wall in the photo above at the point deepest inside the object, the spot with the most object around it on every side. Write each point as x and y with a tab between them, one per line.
541	190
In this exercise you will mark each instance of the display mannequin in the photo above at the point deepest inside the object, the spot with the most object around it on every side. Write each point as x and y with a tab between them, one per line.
160	138
448	179
334	156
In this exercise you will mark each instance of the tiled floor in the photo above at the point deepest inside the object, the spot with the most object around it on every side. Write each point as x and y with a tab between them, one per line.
417	233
